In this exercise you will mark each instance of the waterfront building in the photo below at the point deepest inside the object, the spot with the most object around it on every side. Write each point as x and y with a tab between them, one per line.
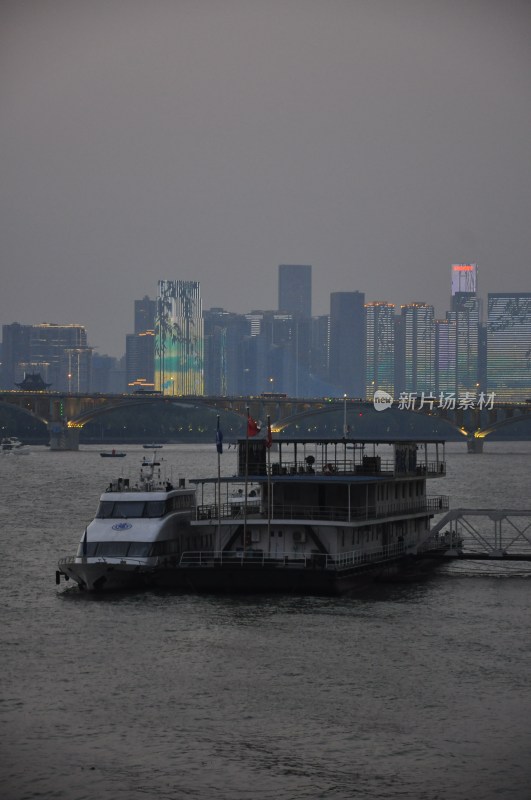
179	344
380	348
295	289
418	348
509	346
347	343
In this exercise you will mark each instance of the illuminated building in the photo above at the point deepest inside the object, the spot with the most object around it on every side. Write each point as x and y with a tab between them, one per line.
179	338
380	344
457	337
509	346
464	279
418	348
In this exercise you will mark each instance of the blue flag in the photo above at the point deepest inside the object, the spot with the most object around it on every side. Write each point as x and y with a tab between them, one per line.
219	439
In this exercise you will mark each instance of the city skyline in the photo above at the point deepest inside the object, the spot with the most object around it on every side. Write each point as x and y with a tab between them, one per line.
136	304
211	142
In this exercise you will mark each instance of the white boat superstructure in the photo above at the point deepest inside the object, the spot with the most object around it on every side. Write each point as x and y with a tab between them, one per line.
138	528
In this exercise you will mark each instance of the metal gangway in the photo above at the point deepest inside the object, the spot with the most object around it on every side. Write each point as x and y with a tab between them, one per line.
497	533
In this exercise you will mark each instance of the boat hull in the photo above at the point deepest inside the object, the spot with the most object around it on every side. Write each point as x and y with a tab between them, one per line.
104	576
227	579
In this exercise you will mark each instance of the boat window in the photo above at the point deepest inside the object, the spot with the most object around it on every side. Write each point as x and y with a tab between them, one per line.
105	509
139	549
86	549
127	509
113	549
155	508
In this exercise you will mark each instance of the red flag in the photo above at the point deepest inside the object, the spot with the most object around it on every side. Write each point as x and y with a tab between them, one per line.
269	437
252	426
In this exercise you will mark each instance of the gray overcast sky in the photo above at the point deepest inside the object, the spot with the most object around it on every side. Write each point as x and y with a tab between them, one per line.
378	140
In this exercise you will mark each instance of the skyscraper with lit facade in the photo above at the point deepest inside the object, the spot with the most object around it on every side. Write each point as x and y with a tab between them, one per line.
418	343
457	337
179	344
509	346
380	343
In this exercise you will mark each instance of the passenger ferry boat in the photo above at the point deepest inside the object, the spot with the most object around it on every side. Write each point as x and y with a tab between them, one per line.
321	517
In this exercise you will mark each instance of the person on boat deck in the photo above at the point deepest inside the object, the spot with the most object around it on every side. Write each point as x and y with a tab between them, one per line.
169	486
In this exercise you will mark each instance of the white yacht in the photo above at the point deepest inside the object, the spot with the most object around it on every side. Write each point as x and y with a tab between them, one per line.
139	528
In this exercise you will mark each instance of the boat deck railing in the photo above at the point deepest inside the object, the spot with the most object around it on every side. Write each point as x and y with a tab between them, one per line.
429	505
347	466
313	560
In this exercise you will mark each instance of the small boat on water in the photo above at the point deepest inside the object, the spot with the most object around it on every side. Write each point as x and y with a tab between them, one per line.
324	522
113	454
153	446
11	445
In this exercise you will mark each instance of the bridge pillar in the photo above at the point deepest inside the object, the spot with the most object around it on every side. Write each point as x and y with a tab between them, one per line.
474	445
62	437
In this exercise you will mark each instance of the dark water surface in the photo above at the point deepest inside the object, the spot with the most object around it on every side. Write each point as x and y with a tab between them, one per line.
412	691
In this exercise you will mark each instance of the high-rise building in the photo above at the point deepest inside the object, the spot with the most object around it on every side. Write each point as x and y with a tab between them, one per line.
15	351
509	346
380	344
464	280
320	339
295	289
418	332
140	360
179	338
145	313
347	343
457	337
225	335
140	347
445	355
59	353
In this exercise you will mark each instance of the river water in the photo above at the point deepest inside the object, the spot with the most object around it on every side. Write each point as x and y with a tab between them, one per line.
418	691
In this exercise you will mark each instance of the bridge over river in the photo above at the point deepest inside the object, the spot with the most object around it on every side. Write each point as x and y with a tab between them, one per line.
66	414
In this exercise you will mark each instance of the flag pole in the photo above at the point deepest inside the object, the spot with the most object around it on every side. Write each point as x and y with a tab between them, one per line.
219	449
246	480
269	498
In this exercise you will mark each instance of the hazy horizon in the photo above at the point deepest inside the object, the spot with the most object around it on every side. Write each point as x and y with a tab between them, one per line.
378	141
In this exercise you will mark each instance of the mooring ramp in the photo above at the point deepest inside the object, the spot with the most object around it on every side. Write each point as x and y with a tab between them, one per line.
508	535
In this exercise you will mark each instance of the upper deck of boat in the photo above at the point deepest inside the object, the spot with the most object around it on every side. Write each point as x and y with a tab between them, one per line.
336	460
